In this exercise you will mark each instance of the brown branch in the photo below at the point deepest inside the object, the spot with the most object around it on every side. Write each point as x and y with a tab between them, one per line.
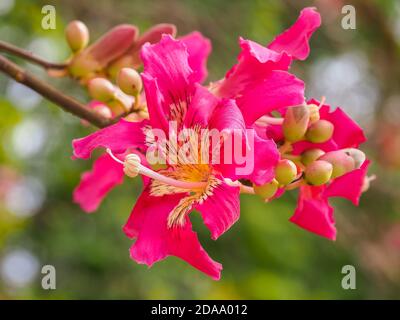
67	103
11	49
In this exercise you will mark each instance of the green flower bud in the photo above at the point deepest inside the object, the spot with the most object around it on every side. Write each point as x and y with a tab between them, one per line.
101	89
129	81
311	155
77	35
295	123
341	162
285	172
320	131
267	190
318	172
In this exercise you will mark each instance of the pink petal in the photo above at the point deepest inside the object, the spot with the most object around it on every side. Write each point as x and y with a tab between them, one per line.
167	63
255	62
201	108
112	44
220	210
118	137
95	184
279	89
314	213
199	49
152	35
157	110
295	40
226	117
155	241
349	185
347	133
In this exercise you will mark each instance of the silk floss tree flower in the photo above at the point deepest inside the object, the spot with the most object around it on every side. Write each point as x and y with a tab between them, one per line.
160	219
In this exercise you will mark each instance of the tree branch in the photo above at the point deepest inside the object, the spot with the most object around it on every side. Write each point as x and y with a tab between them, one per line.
9	48
67	103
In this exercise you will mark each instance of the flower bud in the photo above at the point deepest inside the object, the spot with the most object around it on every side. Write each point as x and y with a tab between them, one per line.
295	123
311	155
318	172
77	35
285	172
101	89
357	155
341	162
320	131
314	113
267	190
129	81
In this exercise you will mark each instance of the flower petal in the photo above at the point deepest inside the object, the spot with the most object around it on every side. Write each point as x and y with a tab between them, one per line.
118	137
295	40
314	213
201	108
221	209
255	62
167	63
279	89
155	241
199	49
349	185
95	184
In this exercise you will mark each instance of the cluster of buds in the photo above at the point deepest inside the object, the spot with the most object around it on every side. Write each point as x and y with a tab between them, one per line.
313	166
108	67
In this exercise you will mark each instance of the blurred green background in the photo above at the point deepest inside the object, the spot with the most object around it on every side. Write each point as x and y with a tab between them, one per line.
264	256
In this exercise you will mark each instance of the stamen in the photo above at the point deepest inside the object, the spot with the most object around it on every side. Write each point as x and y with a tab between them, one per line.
133	167
266	120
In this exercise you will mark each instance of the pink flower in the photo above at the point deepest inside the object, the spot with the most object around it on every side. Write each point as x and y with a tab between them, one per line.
313	211
160	219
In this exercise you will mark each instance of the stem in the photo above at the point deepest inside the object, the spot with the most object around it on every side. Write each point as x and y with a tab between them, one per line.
67	103
9	48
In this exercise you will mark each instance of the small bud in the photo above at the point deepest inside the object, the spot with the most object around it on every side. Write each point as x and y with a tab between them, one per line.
311	155
285	172
267	190
357	155
341	162
129	81
320	131
101	89
314	113
77	35
131	165
295	123
318	173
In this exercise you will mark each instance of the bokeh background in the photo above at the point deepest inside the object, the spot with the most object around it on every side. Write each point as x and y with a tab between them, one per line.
264	256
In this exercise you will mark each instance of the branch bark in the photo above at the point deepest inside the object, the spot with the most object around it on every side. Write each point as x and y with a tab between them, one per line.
67	103
11	49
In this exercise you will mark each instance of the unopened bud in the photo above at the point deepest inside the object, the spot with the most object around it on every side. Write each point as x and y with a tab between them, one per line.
285	172
318	173
268	190
341	162
101	89
314	113
357	155
320	131
131	165
295	123
77	35
311	155
129	81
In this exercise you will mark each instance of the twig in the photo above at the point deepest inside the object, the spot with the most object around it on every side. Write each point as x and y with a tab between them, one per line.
9	48
67	103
